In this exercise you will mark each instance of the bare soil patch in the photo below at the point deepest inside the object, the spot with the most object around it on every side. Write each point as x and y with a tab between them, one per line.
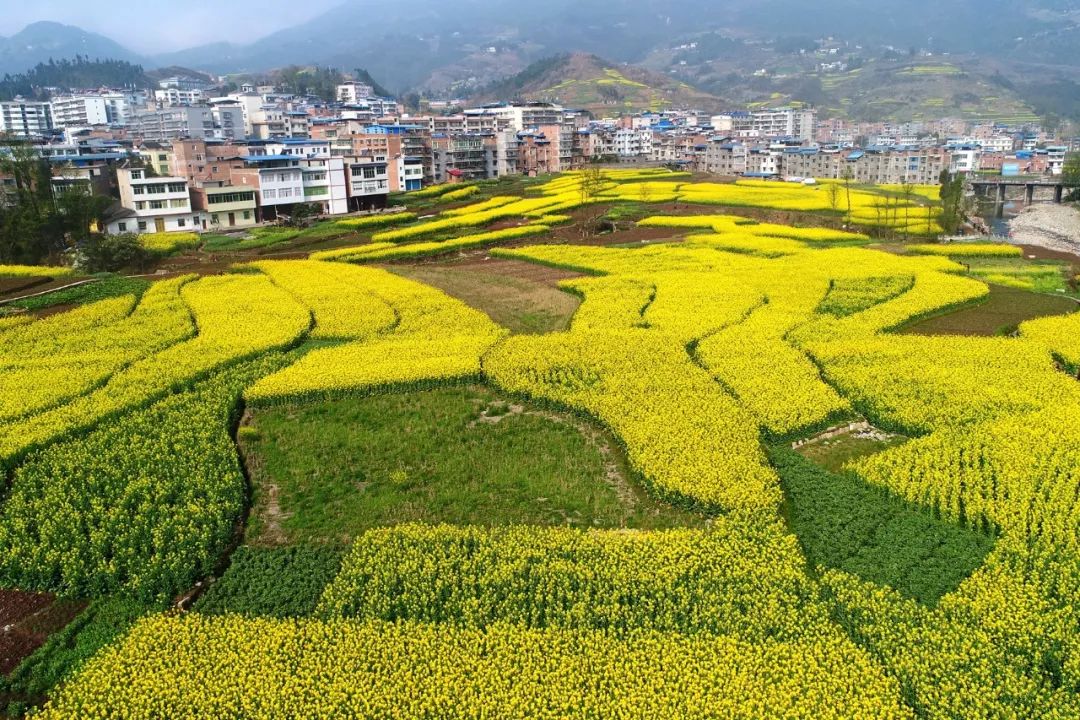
520	296
1004	310
27	619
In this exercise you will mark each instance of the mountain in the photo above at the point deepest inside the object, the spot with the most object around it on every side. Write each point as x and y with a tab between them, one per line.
407	42
41	41
456	49
80	73
587	82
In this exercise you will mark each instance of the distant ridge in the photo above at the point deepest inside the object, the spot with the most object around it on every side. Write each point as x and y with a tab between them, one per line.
587	82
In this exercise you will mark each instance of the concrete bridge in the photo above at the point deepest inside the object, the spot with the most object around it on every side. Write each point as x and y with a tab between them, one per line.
997	189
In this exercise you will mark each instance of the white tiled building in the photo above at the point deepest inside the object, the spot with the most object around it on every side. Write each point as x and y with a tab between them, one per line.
25	119
157	204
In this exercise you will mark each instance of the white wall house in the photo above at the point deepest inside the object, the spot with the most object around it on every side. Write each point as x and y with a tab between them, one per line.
369	183
79	111
282	181
175	97
25	119
157	204
325	183
352	92
632	143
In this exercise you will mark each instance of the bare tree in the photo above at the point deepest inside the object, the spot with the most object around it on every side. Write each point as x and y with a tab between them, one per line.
833	191
907	190
848	176
592	182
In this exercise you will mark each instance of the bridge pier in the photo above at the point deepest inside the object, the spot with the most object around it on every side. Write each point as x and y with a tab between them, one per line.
1029	194
1001	194
1059	194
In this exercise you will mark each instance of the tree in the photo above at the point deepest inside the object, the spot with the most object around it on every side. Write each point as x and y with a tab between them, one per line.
848	176
79	210
1070	176
106	253
302	213
952	202
42	216
28	232
592	182
833	191
907	190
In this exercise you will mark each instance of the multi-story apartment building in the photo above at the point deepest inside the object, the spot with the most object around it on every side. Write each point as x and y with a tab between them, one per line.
471	156
352	92
158	155
1055	158
25	118
175	97
368	182
723	157
183	82
228	120
879	166
224	206
179	122
282	181
507	150
996	144
267	122
201	160
631	143
672	148
153	204
461	123
79	110
536	154
407	173
561	137
964	158
521	116
372	108
297	124
798	123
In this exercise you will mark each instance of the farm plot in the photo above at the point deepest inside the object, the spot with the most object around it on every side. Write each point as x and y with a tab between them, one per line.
931	578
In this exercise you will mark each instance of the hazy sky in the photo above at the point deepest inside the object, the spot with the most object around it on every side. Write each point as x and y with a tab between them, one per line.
186	23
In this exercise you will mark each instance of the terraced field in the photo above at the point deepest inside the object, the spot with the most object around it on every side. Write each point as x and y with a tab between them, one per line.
598	513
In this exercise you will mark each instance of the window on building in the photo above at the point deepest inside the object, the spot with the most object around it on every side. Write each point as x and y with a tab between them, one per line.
178	203
285	192
181	222
177	187
157	204
369	173
214	219
122	227
247	214
162	158
140	204
269	194
136	174
138	189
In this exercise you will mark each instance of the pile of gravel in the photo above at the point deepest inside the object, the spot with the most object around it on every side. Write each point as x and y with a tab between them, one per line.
1055	227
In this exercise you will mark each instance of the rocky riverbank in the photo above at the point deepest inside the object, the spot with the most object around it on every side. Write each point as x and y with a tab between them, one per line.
1055	227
